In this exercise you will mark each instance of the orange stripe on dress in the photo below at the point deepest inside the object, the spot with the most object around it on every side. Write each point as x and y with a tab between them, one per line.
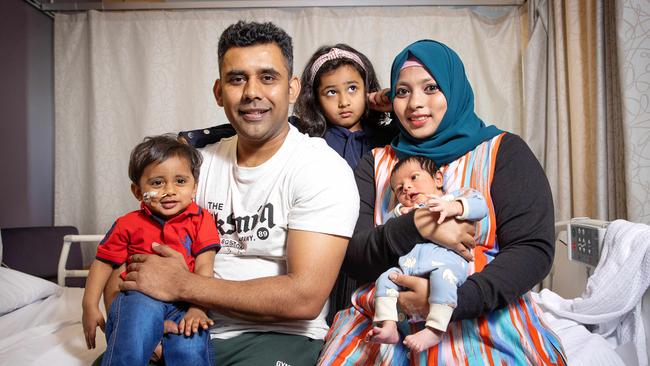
432	356
374	350
462	172
349	349
533	353
488	195
480	259
520	325
452	347
534	335
484	333
517	325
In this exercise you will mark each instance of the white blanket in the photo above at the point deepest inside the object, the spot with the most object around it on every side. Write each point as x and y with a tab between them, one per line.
611	302
48	332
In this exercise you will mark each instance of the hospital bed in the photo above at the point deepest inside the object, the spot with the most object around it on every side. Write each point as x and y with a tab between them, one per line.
607	321
40	321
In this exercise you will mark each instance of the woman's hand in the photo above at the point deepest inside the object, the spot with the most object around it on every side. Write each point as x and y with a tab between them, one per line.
452	234
379	101
413	300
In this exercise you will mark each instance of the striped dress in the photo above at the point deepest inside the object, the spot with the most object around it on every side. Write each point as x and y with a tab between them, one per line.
514	335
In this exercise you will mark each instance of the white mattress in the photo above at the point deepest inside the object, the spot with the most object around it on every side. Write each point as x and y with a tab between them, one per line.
48	332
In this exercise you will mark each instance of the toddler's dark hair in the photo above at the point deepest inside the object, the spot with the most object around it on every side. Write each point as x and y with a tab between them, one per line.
156	149
312	120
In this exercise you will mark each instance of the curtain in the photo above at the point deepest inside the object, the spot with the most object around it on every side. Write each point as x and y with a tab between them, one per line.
572	125
572	99
633	40
120	76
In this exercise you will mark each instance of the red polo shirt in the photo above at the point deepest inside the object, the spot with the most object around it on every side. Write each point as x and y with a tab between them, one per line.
190	233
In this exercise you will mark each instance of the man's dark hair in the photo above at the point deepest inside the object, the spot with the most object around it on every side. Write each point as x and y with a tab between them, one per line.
156	149
244	34
426	164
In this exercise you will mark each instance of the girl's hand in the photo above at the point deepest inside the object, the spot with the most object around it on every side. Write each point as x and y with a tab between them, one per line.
91	319
379	101
445	208
194	318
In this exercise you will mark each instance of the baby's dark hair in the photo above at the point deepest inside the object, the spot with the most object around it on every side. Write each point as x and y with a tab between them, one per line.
427	164
312	120
156	149
244	34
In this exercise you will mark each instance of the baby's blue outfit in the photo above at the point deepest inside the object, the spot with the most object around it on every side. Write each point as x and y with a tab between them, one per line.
445	268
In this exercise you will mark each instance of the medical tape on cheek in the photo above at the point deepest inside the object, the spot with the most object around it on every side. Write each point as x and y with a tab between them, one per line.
149	197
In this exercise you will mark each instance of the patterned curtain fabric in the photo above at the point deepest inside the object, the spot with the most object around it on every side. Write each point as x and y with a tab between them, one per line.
633	41
120	76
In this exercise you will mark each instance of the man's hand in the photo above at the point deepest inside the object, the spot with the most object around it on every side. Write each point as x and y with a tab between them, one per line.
159	276
452	234
91	319
379	101
194	319
413	300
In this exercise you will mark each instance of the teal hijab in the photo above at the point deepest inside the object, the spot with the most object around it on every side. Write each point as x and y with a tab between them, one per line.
460	129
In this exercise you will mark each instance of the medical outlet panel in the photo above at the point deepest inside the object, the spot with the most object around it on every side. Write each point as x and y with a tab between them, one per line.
585	240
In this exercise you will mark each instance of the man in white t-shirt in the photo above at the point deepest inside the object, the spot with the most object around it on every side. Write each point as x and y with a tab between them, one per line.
285	206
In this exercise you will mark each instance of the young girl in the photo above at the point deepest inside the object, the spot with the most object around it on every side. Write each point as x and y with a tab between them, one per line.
333	103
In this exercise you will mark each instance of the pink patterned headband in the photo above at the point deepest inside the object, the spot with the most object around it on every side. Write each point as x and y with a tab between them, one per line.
411	62
334	54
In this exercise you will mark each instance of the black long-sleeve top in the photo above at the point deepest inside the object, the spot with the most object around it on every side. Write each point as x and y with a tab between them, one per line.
523	207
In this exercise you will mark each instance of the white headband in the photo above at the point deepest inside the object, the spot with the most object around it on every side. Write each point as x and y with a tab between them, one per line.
334	54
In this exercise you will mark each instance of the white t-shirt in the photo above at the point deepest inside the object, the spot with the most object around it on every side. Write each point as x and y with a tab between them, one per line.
305	186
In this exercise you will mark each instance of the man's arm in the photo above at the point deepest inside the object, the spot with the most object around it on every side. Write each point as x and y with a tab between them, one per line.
313	262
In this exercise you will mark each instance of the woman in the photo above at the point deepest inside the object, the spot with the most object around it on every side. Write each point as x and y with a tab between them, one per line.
495	322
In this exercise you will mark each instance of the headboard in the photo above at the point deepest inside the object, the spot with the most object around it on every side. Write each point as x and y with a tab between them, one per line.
36	250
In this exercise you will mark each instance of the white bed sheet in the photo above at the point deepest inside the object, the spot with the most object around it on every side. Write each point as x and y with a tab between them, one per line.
48	332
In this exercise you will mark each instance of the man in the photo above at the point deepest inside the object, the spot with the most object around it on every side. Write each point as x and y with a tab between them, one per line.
285	206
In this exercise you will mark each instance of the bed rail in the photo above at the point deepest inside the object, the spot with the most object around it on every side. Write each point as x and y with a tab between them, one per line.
63	273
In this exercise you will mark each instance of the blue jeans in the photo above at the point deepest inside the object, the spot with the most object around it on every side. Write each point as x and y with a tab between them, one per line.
135	326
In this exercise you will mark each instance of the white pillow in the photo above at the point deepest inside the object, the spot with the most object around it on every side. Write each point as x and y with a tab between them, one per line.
18	289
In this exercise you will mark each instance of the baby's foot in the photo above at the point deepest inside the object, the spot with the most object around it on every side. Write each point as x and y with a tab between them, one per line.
387	333
423	340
